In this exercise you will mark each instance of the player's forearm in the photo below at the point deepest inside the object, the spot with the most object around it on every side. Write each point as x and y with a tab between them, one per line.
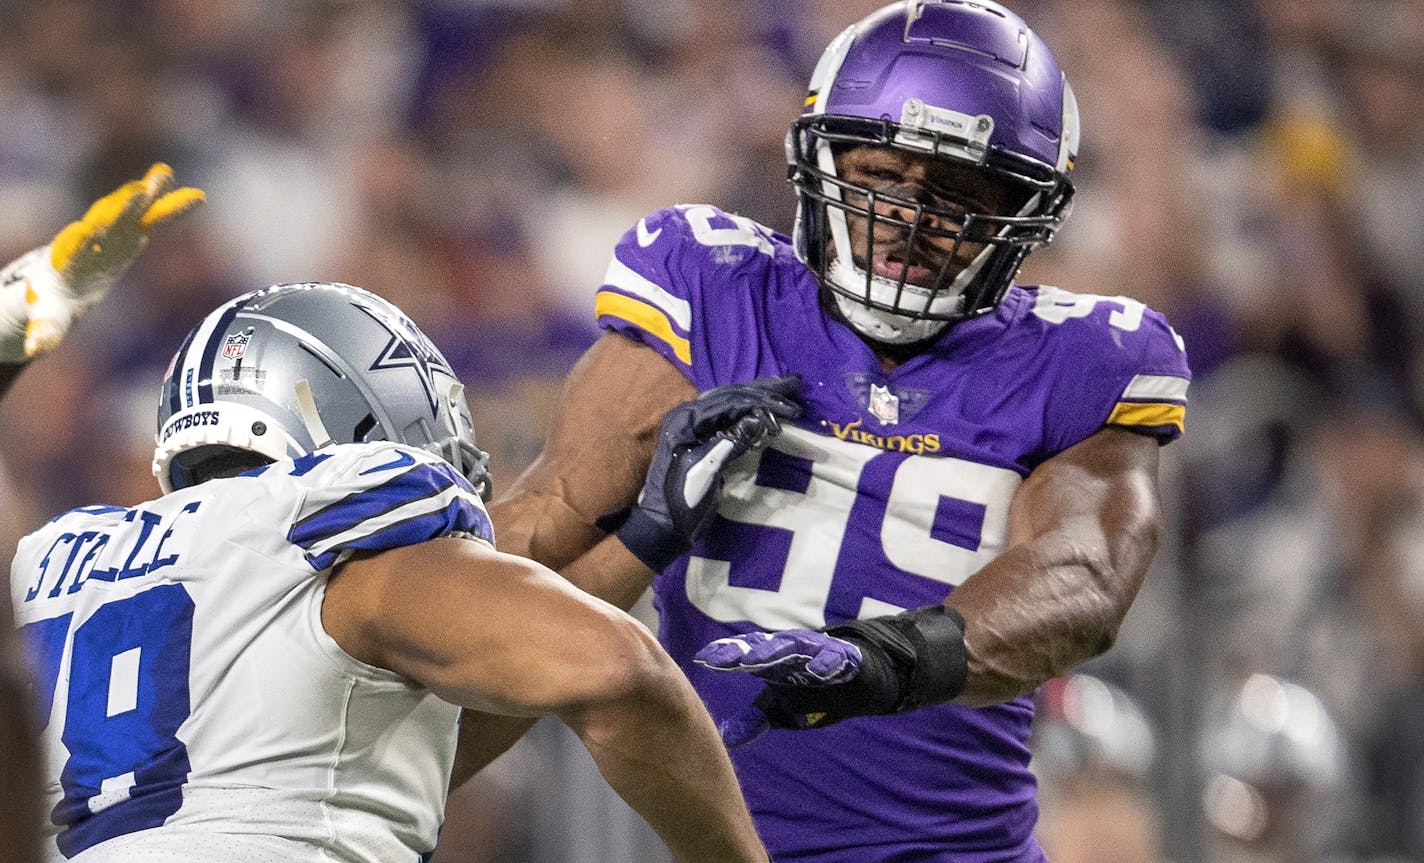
546	529
610	572
1044	606
657	747
541	526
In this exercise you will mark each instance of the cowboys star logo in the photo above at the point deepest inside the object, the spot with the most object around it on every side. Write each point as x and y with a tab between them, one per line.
407	349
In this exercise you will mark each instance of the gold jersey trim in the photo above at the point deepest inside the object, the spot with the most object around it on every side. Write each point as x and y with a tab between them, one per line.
1149	414
649	318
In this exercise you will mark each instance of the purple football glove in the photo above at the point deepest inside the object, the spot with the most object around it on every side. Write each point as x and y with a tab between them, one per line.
800	657
872	667
789	658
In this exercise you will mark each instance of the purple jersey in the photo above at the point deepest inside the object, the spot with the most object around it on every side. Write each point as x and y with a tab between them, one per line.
892	489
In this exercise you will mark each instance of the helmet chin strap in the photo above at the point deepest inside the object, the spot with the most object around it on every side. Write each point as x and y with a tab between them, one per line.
886	327
321	438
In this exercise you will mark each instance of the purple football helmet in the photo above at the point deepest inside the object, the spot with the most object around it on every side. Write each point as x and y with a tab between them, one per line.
959	80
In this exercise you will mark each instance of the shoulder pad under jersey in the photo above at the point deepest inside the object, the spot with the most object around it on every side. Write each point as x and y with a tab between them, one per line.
652	291
1133	365
378	496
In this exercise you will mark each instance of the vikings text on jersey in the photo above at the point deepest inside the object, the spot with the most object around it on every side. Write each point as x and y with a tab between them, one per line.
892	489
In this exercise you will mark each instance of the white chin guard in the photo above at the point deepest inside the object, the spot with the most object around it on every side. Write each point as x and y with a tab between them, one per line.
885	326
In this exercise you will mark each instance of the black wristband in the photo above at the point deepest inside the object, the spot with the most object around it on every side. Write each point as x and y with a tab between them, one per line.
926	647
655	544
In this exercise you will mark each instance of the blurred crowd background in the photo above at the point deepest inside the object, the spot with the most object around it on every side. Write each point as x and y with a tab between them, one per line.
1252	168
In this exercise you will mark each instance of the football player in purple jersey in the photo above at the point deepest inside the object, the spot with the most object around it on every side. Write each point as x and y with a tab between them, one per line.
962	501
41	293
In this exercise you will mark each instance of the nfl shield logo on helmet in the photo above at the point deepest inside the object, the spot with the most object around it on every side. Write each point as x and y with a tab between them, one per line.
884	405
236	346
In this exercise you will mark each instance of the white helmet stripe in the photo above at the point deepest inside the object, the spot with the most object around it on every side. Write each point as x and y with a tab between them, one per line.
1068	141
829	66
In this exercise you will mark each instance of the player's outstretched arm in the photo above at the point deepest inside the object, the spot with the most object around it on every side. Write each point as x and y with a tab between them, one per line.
595	458
504	635
594	461
1082	531
678	470
635	449
44	290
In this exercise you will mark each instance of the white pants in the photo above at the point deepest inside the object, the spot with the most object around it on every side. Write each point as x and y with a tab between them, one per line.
167	845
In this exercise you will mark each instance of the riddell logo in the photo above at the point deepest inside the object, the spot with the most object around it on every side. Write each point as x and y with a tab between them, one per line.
915	444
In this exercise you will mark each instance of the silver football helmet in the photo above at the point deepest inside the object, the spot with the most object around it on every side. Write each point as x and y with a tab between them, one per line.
293	368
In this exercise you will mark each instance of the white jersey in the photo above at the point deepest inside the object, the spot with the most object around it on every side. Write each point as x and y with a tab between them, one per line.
193	702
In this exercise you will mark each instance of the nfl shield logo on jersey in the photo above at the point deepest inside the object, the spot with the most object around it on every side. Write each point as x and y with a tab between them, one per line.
884	405
236	345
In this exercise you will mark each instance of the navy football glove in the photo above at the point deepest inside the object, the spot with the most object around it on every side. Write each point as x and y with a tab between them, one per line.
698	438
869	667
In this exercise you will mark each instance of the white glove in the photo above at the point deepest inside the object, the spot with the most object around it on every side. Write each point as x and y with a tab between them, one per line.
44	290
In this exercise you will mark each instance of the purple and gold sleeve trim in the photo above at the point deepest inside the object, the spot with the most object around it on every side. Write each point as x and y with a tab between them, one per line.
1153	403
635	299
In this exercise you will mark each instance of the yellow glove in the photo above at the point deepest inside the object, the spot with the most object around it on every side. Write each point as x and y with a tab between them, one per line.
88	256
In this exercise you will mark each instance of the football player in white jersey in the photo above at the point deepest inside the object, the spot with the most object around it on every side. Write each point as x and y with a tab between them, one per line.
265	663
41	293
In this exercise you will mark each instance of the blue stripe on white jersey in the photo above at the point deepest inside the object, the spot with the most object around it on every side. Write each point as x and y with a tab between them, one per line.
93	509
427	501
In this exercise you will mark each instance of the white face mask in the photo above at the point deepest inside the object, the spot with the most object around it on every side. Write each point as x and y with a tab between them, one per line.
849	281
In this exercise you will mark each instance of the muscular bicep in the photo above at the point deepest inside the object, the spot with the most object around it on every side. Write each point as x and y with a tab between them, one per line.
1102	493
480	628
596	454
1082	530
